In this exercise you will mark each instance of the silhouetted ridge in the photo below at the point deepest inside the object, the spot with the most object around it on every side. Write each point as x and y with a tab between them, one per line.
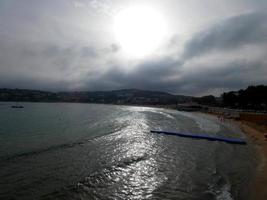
124	96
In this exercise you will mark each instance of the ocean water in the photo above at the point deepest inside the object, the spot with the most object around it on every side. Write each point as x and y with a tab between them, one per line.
89	151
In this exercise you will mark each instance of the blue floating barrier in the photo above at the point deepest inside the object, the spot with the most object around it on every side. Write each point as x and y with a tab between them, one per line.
201	136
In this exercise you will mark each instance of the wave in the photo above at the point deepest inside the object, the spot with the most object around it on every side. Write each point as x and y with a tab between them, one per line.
94	185
53	148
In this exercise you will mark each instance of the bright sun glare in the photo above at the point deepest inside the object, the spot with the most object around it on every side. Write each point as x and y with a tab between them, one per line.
139	30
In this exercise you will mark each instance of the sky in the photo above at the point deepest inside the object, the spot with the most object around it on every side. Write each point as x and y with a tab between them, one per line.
208	46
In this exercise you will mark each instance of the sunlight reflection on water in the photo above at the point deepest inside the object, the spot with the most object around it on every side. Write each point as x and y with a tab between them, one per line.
135	173
140	178
111	154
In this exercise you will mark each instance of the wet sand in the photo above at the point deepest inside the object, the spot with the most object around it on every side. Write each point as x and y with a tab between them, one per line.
256	134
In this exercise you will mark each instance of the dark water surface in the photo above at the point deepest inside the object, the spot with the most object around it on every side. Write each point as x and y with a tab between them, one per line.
87	151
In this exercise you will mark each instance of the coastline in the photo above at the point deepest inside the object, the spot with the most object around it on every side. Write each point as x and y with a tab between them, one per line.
254	130
255	133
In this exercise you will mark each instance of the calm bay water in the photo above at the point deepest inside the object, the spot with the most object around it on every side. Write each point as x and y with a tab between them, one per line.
87	151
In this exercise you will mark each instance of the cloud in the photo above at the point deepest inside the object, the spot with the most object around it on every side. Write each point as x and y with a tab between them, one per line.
225	76
100	6
149	74
228	55
232	33
78	4
63	46
174	77
114	47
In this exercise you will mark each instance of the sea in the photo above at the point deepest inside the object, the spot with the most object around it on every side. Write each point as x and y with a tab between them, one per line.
51	151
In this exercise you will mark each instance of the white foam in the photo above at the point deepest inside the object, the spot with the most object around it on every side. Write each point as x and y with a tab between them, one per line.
203	123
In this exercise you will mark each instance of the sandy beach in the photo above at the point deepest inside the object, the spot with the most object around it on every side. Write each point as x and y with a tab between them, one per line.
256	132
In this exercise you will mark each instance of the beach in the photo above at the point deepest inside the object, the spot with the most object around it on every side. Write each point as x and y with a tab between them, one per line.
255	132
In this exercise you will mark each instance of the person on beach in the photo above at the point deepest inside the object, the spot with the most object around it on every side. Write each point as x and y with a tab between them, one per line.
221	117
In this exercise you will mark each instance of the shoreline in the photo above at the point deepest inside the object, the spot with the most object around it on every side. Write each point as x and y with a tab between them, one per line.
255	136
255	133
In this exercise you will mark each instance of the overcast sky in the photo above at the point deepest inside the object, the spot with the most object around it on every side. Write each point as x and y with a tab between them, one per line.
211	46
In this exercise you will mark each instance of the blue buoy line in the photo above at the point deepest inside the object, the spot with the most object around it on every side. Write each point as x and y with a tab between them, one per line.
201	136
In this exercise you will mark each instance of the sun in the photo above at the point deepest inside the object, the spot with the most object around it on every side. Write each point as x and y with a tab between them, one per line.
139	30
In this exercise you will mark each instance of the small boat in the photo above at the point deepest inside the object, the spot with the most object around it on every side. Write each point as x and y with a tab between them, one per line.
17	106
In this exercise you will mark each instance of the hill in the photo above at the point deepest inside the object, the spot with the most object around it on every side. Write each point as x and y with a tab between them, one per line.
125	96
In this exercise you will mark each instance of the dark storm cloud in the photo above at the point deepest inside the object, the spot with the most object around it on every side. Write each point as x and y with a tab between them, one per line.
233	71
147	75
157	76
60	45
46	66
233	33
232	75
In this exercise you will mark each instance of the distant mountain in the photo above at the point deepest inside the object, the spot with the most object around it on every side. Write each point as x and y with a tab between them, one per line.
27	95
125	96
253	97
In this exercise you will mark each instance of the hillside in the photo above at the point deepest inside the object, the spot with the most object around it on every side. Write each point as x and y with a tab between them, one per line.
125	96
